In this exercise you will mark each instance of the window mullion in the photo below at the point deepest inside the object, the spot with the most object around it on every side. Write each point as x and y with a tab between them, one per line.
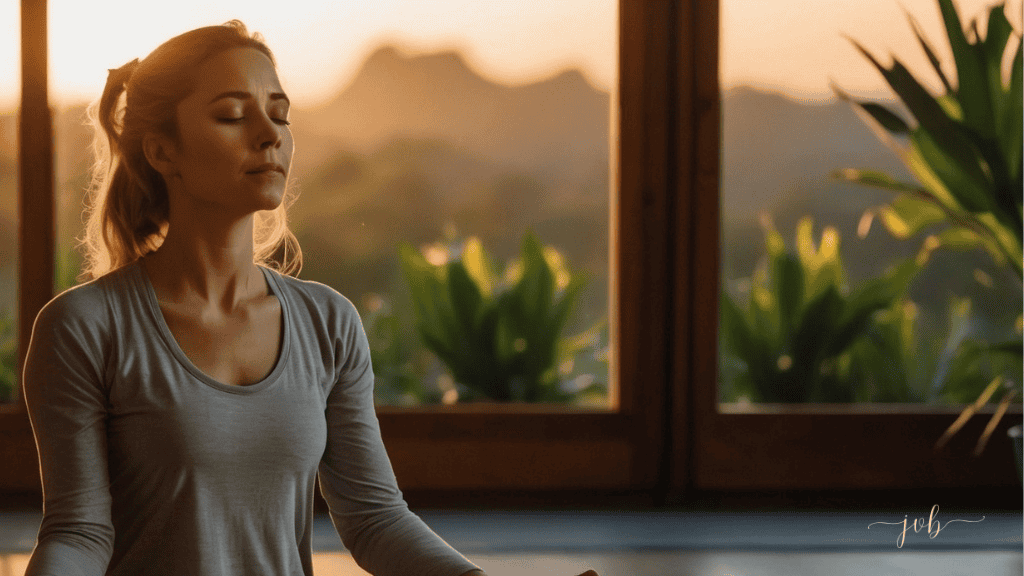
37	229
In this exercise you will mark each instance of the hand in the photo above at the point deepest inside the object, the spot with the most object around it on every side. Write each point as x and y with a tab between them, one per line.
589	573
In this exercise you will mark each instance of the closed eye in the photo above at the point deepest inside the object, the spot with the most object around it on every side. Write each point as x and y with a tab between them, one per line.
280	121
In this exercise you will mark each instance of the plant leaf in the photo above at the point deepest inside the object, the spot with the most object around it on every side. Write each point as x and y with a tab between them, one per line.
931	117
789	289
929	52
971	193
874	178
1010	129
972	84
465	298
968	412
888	119
477	265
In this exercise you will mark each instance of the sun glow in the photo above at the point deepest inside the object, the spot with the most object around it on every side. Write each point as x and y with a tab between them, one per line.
320	44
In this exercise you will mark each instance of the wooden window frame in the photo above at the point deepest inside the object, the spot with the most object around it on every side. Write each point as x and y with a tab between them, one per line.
853	454
665	440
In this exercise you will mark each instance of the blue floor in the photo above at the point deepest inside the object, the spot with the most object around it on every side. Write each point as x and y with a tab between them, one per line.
589	531
677	543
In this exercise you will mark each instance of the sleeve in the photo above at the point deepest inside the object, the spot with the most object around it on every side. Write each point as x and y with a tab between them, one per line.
358	482
64	393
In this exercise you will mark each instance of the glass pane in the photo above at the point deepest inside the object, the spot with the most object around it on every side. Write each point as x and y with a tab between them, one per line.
453	131
799	246
10	95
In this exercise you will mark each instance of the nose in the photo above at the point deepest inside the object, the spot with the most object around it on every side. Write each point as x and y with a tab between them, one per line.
269	134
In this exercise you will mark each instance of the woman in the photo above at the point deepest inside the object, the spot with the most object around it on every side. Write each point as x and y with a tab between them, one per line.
185	397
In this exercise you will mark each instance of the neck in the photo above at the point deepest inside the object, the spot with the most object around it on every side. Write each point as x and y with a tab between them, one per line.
206	263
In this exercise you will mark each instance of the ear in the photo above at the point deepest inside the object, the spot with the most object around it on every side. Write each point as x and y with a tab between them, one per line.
160	152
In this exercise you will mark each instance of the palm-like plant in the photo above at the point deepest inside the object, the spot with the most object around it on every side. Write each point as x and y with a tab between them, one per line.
796	334
500	337
965	152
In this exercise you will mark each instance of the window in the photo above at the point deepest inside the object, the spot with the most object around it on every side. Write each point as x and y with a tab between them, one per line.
483	446
663	434
420	124
773	446
784	131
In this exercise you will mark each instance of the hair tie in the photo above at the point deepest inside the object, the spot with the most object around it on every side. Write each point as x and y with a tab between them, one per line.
120	76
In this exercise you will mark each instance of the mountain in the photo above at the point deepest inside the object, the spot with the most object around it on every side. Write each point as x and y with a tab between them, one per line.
774	145
551	126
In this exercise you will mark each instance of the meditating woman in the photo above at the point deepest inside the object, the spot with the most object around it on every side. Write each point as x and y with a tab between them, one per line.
184	398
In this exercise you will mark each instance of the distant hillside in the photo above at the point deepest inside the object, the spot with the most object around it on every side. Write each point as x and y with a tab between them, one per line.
553	124
774	144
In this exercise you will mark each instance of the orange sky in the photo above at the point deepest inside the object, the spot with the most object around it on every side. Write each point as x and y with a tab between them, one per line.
319	43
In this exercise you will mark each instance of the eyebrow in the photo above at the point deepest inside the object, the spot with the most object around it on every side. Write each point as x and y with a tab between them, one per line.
245	96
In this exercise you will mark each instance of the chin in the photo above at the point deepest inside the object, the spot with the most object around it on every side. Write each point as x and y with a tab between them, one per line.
269	200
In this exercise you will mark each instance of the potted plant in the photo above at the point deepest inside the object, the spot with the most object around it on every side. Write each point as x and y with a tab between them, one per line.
965	151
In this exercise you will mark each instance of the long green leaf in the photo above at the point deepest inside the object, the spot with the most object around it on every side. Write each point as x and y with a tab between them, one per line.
1011	130
971	193
907	215
931	117
877	128
478	266
972	83
789	290
535	290
816	327
930	53
874	178
465	297
745	343
888	119
997	35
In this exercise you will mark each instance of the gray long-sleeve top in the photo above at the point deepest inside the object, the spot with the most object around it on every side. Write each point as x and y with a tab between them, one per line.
150	467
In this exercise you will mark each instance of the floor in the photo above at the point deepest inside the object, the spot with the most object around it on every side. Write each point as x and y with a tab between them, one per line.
661	543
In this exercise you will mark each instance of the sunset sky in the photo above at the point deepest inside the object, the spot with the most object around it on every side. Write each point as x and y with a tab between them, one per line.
320	43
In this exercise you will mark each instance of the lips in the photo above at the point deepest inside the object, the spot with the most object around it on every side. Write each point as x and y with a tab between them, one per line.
268	167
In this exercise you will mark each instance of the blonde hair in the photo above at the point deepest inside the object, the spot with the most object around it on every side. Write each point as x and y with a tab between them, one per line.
127	203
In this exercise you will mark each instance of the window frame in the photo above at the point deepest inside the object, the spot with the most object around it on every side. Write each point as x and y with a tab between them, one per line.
485	447
665	440
811	449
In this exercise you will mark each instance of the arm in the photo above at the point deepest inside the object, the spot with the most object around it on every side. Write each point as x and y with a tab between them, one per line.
357	480
67	409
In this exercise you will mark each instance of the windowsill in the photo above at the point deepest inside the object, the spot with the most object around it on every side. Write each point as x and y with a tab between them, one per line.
855	408
494	407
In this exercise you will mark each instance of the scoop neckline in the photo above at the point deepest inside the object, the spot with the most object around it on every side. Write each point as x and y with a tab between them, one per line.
149	296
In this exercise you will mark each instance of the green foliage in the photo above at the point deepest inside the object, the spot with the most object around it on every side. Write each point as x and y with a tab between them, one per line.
965	152
8	357
795	334
398	379
500	337
965	149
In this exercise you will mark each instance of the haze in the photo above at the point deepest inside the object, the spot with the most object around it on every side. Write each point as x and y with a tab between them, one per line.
793	46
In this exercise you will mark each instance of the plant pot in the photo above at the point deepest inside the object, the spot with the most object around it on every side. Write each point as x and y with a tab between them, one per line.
1015	433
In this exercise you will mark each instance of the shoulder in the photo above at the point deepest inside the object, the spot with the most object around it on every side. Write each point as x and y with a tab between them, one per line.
321	305
82	307
75	331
